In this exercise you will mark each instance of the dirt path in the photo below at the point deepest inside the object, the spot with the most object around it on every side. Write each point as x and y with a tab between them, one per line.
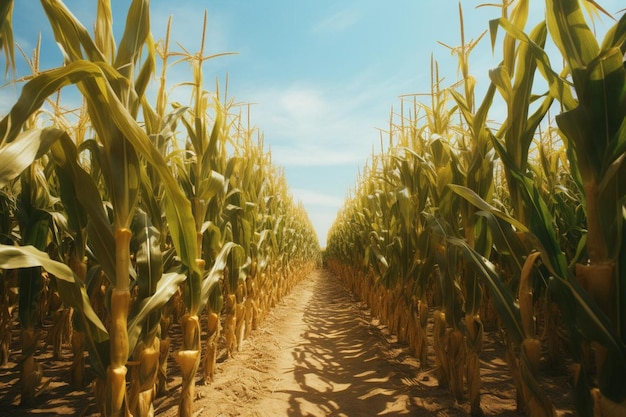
321	354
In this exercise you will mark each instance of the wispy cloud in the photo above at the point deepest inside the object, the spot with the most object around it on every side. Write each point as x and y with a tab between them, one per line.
337	21
312	198
309	124
322	209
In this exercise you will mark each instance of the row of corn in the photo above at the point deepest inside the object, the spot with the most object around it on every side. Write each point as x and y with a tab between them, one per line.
128	214
517	223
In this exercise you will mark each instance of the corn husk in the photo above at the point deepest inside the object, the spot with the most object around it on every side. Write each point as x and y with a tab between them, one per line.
116	405
474	345
456	359
440	341
536	403
77	369
142	390
210	356
30	371
240	315
603	407
188	361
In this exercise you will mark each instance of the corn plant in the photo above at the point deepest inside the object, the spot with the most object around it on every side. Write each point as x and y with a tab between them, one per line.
547	240
478	160
594	130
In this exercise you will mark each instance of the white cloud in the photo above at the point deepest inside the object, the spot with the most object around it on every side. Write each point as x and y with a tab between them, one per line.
337	22
302	104
313	156
322	220
312	198
324	124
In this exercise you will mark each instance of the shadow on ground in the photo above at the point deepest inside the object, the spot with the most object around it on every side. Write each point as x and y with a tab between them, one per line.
345	367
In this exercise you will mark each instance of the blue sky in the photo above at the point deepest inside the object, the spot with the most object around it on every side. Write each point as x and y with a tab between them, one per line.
323	75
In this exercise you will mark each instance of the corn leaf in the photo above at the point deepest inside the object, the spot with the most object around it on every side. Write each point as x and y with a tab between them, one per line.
71	290
167	285
213	276
559	89
481	204
616	36
136	31
105	40
507	242
85	191
6	34
570	33
70	34
501	294
21	152
149	264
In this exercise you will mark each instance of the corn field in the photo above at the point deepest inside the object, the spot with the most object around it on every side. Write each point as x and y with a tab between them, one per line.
514	224
132	214
127	215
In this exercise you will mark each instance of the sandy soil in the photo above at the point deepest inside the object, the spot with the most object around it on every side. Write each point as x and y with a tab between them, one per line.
319	353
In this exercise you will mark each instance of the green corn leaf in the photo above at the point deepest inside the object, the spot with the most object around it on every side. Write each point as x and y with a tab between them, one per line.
104	38
145	76
177	207
616	36
30	286
480	118
210	186
149	199
70	34
501	294
21	152
124	179
216	272
167	285
85	192
149	264
559	89
481	204
71	290
506	240
136	31
542	227
570	33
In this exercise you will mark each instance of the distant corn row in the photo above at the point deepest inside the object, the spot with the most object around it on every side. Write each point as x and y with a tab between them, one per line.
522	217
125	215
